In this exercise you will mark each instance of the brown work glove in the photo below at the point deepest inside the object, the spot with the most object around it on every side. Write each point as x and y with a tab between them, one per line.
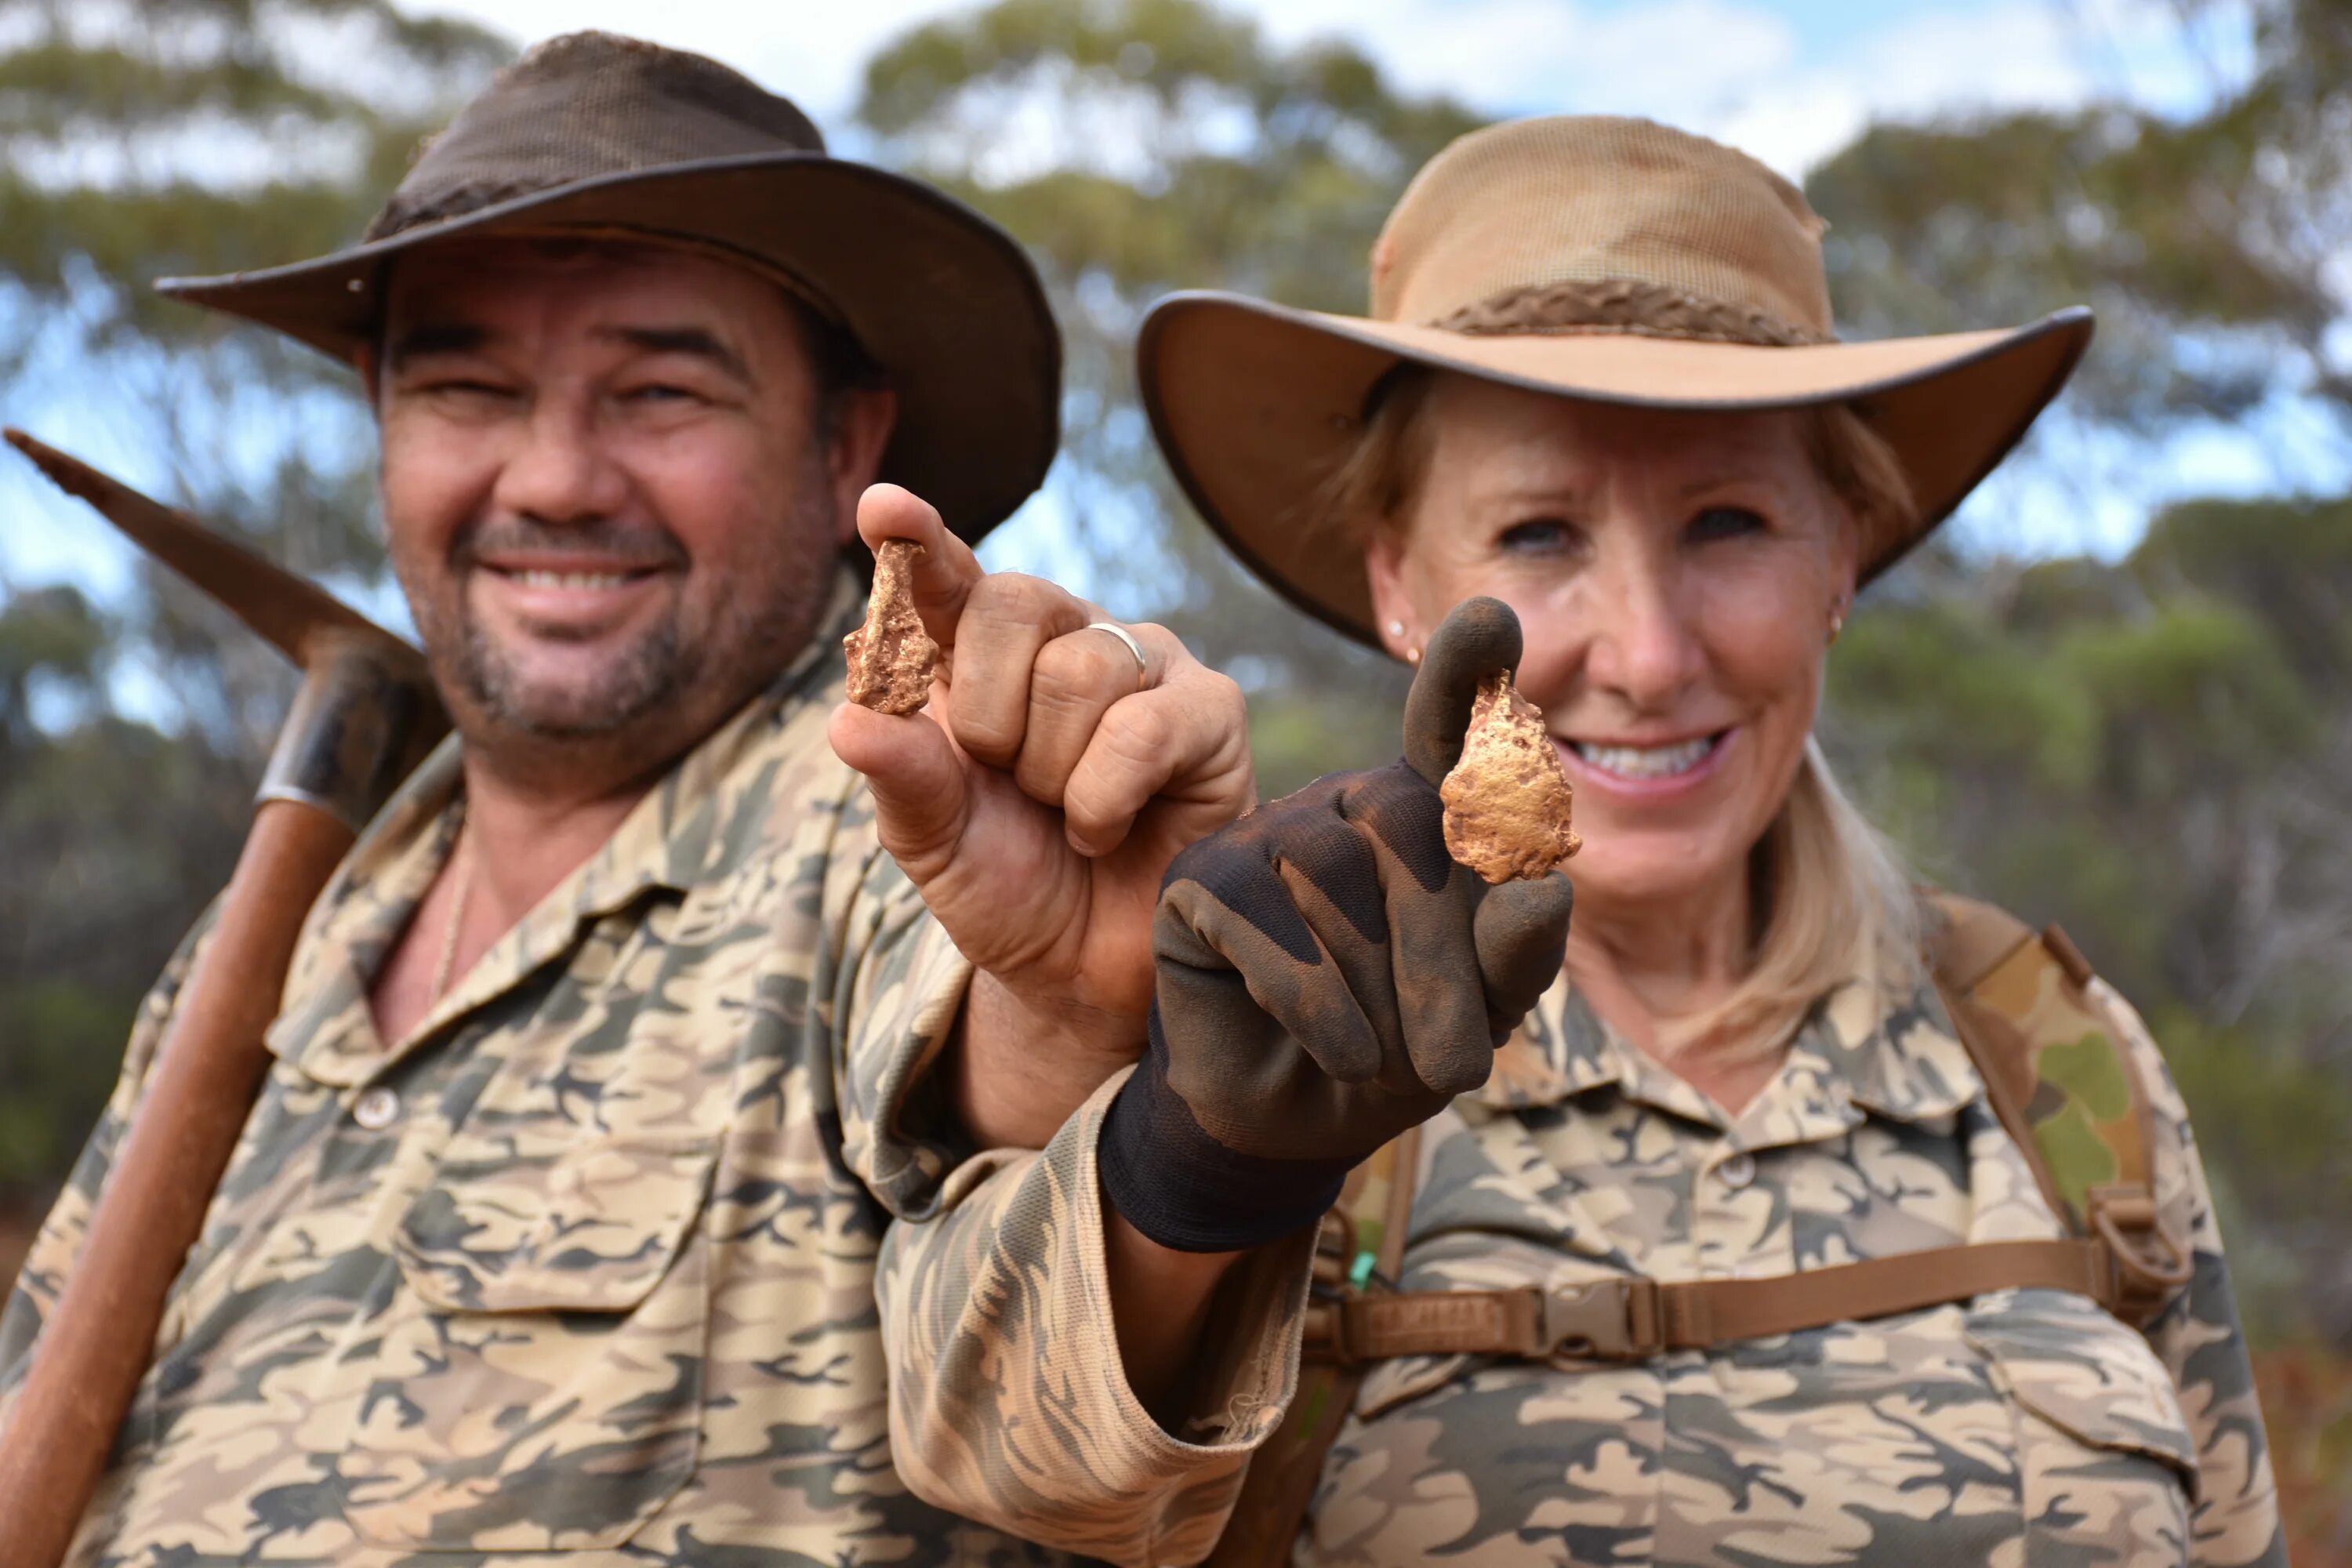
1326	977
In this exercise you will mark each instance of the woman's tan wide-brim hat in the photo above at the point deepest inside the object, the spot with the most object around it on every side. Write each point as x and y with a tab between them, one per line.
597	135
1614	260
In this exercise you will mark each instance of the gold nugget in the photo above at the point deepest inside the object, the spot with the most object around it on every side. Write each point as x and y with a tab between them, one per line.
1506	800
890	657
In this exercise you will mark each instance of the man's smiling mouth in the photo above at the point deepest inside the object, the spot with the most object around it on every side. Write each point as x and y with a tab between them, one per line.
536	577
568	599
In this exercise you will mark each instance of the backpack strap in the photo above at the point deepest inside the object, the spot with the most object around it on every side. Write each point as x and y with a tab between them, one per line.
1630	1318
2049	1041
1361	1244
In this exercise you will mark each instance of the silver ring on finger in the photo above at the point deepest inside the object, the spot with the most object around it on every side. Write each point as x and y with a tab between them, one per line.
1142	663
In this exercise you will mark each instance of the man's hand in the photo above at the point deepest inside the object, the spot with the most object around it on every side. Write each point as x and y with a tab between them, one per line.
1328	977
1037	803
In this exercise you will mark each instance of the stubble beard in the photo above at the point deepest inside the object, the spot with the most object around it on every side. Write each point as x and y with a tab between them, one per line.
661	693
648	674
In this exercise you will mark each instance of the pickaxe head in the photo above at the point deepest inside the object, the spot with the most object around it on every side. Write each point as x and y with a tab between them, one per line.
367	712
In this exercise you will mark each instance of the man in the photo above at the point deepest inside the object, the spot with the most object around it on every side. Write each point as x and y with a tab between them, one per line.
618	1043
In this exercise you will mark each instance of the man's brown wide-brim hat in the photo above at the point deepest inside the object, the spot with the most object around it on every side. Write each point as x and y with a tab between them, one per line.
606	135
1614	260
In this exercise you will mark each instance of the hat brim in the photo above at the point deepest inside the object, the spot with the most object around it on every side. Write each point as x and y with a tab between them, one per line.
942	300
1255	405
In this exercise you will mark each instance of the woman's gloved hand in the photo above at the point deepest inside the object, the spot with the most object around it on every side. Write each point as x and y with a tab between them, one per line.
1326	977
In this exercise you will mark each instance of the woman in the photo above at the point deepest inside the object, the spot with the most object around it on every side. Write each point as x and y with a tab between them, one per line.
1599	384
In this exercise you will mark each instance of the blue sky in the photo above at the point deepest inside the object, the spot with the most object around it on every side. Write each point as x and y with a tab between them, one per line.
1790	80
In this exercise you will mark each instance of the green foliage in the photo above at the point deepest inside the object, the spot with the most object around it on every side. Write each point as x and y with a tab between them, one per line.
2270	1125
1994	700
2190	691
63	1044
2293	558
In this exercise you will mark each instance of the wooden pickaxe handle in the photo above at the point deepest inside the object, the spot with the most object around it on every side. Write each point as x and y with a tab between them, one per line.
364	716
97	1342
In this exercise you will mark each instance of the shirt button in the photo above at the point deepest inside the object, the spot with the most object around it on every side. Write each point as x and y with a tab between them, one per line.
377	1109
1738	1171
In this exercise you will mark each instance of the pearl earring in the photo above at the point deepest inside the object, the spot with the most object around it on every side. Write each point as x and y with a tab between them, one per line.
1837	621
1396	629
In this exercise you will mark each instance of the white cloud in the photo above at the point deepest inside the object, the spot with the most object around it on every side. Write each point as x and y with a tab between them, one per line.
1669	60
2008	55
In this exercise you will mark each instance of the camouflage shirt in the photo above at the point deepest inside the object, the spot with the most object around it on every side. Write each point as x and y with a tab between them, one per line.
2024	1427
585	1264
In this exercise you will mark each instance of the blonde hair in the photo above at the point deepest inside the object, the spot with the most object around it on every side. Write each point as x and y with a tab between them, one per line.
1832	901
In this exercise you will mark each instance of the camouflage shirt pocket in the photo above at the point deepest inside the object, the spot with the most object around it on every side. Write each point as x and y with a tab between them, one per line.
538	1383
2105	1462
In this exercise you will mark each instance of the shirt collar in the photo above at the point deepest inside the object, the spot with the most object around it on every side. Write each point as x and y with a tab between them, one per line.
1876	1043
1891	1046
668	841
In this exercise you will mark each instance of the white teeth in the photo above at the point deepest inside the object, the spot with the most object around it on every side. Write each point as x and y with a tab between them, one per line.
1647	762
570	579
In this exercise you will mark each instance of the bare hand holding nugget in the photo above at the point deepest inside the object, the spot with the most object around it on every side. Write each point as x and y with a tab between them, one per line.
891	657
1040	796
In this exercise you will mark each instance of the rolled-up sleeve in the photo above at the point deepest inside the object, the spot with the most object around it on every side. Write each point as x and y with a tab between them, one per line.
2197	1336
1009	1402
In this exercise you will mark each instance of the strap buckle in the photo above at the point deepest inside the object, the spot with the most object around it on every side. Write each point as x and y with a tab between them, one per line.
1617	1319
2147	1263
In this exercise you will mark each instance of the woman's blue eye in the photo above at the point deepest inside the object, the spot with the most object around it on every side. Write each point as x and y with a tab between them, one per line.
1724	522
1539	537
